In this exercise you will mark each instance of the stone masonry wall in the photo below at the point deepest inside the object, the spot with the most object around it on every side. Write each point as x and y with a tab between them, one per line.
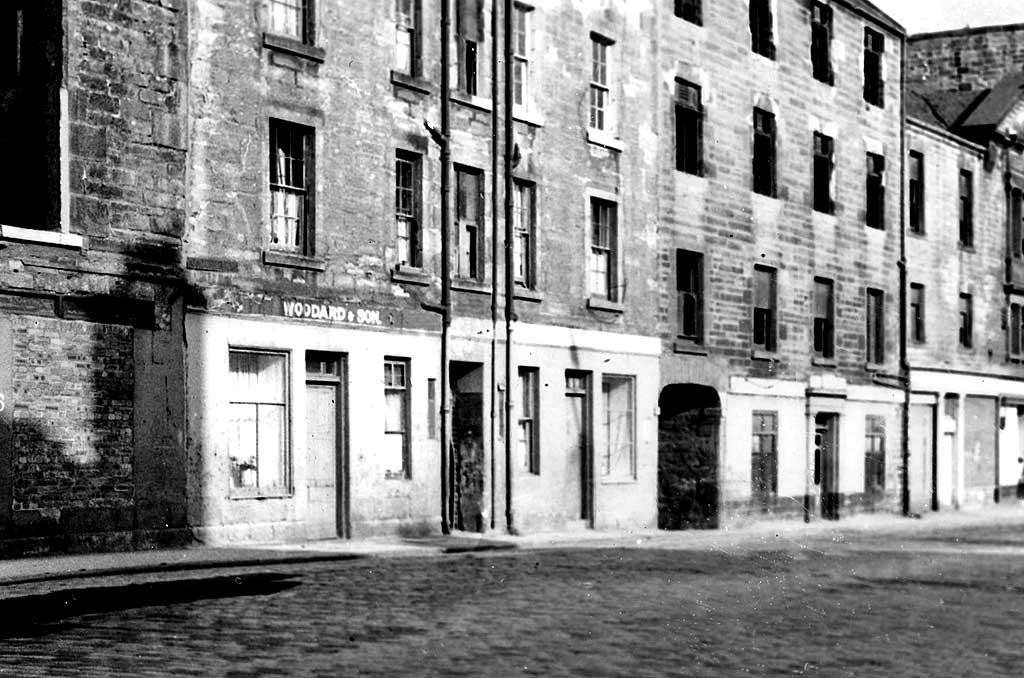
967	59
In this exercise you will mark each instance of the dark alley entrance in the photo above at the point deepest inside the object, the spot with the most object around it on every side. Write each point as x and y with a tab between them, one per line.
688	428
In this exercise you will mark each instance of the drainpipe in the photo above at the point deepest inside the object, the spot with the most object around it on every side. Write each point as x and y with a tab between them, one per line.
509	256
904	362
446	280
494	257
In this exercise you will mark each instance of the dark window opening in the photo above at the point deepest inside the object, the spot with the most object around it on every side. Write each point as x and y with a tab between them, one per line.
966	208
823	163
1017	223
966	334
689	128
874	85
689	10
765	295
875	198
875	329
916	192
690	295
1016	331
821	42
917	313
874	454
764	153
824	318
761	39
764	458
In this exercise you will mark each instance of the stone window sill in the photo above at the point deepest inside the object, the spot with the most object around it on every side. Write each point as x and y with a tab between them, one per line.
874	367
57	238
286	45
289	260
472	101
211	264
823	362
415	83
618	481
410	275
239	493
761	354
527	116
601	137
471	286
688	347
528	294
599	304
396	475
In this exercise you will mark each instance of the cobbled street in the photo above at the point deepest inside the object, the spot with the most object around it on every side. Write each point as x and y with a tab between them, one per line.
929	602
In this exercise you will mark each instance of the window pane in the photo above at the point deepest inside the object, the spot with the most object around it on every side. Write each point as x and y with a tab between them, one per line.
241	438
392	454
394	409
618	397
271	437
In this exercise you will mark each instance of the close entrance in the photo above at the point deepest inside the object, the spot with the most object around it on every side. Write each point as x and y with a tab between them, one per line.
467	468
826	464
579	489
688	428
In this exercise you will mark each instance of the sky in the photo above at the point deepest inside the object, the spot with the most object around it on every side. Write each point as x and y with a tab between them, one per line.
925	16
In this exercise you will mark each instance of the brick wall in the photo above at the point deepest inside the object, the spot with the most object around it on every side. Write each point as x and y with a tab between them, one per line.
967	59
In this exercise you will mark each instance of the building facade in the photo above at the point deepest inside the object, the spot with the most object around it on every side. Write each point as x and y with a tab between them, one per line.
91	297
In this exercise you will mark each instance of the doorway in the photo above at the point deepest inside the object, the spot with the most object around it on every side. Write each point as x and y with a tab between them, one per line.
826	463
326	483
468	465
688	429
579	488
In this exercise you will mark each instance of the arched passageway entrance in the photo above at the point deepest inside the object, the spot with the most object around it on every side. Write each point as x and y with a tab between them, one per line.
688	424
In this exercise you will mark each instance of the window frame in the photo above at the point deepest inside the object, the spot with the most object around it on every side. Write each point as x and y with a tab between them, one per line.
821	43
474	257
822	173
823	331
765	317
965	190
874	191
1016	226
529	417
916	193
762	30
522	47
916	313
610	471
874	330
874	72
874	454
603	240
765	153
305	32
524	247
285	489
306	230
689	128
409	23
409	245
469	37
600	93
405	473
690	288
690	11
763	488
965	310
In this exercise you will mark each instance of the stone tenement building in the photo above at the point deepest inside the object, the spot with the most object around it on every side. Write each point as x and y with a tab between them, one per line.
91	385
230	321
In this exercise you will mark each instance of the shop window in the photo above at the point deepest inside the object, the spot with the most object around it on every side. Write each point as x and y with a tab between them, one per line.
874	51
618	461
966	333
258	422
603	249
874	454
764	153
470	214
600	91
824	318
407	37
689	10
689	114
523	231
966	208
821	42
765	296
917	334
469	36
522	34
690	296
395	453
291	187
874	199
761	38
408	208
915	191
764	461
823	164
292	18
529	426
875	327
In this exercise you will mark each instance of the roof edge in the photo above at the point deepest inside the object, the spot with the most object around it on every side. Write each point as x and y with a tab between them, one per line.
965	31
944	133
868	10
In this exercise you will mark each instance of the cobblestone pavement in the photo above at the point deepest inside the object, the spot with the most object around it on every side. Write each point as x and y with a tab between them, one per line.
933	604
